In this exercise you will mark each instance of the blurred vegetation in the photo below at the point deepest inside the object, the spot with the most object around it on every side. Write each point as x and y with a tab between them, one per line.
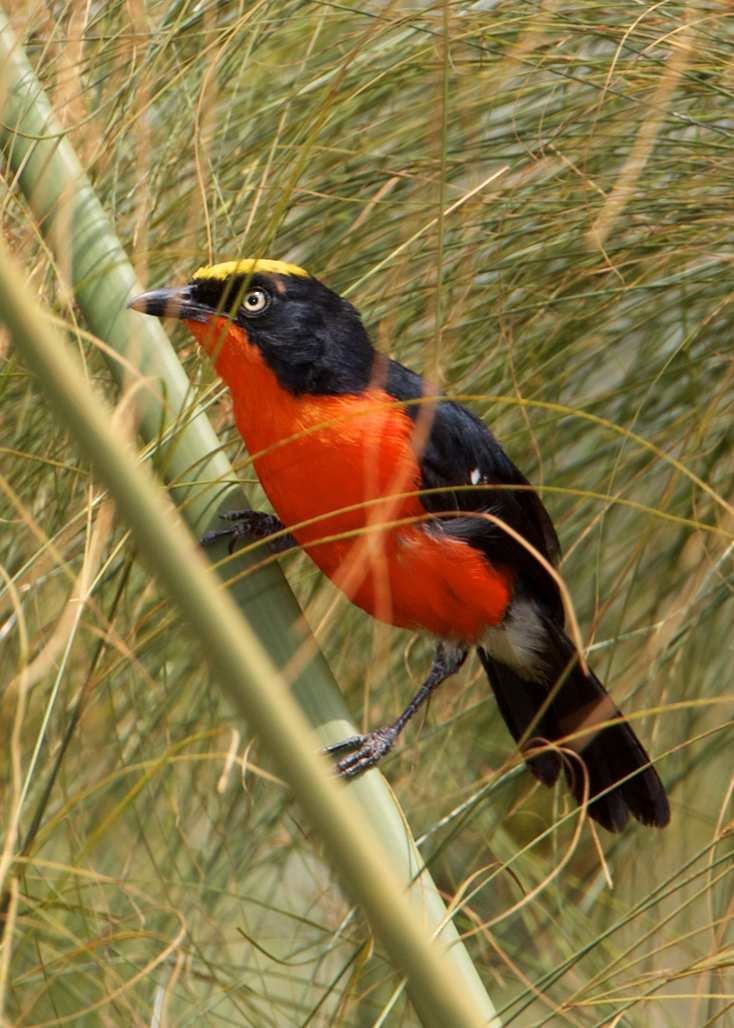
531	203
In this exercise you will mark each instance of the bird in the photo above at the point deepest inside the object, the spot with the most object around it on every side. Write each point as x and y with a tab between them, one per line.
410	505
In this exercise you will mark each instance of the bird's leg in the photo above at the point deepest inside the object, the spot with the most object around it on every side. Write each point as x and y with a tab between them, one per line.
364	751
250	526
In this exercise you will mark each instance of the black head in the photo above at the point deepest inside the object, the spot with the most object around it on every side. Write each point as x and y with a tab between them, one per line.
312	339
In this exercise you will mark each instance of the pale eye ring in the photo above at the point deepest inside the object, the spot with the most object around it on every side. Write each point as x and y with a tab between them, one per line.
255	301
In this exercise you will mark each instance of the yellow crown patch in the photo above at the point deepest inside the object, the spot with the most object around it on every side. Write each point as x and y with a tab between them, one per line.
248	266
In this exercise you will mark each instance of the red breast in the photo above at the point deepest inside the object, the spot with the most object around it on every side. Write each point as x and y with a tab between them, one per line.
352	458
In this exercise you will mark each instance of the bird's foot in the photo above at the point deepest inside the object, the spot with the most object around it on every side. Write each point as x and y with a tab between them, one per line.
363	751
250	526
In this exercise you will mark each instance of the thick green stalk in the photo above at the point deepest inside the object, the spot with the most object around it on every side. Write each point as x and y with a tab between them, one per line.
102	280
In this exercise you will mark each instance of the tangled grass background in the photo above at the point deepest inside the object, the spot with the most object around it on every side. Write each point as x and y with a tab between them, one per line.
533	204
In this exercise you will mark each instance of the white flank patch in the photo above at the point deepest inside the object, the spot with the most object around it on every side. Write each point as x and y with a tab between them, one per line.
518	643
476	476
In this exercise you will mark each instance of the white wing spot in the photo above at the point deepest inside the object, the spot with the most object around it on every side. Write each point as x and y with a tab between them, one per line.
476	476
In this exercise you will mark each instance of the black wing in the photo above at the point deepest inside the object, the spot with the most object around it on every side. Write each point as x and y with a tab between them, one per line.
461	451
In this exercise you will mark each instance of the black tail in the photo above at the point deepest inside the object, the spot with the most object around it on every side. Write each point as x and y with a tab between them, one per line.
610	754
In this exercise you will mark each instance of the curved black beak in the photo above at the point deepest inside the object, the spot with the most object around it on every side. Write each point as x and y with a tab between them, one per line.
178	302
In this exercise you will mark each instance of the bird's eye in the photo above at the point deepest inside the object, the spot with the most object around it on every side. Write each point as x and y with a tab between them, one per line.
256	301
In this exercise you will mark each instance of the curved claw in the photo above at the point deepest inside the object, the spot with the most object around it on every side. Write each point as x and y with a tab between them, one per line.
367	751
345	746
